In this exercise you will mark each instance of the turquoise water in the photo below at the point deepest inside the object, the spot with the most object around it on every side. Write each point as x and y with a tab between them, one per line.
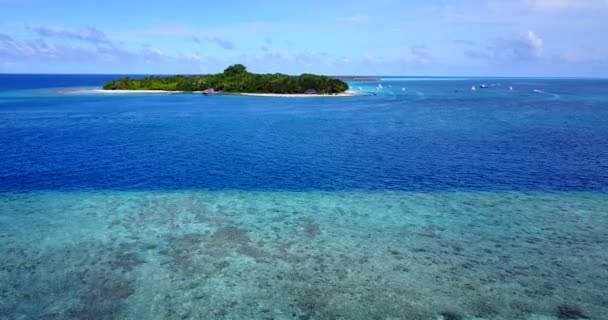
310	255
423	203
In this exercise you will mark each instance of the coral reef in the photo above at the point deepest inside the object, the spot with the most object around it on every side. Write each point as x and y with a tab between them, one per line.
278	255
566	311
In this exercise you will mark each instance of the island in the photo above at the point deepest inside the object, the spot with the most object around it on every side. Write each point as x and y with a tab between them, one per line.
235	80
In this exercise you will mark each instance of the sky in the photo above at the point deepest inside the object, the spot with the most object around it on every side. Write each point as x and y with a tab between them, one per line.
528	38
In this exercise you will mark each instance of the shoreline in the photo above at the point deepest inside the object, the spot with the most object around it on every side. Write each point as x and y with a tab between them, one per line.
102	91
299	95
273	95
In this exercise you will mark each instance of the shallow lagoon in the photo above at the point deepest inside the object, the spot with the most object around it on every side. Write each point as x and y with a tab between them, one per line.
308	255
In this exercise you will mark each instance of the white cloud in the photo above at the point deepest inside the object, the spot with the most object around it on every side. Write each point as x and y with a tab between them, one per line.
93	46
418	55
577	56
565	4
222	43
370	58
355	19
529	46
5	37
39	51
90	34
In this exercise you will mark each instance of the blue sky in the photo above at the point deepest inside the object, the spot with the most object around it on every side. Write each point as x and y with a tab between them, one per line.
380	37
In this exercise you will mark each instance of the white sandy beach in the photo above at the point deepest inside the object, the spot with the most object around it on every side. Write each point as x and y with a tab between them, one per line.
101	91
276	95
134	91
301	95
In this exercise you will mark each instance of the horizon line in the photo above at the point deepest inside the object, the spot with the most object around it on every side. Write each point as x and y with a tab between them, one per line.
329	75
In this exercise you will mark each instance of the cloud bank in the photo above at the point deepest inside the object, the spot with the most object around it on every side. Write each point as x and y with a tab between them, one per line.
89	34
527	47
566	4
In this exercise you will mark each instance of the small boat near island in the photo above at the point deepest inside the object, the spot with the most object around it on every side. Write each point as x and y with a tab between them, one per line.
484	86
210	92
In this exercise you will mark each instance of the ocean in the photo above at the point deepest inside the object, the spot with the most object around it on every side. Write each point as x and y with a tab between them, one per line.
426	200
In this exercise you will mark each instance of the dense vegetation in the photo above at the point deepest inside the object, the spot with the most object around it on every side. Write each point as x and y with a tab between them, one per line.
235	78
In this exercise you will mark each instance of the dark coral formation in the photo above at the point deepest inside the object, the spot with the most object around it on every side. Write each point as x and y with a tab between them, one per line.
88	281
450	315
567	311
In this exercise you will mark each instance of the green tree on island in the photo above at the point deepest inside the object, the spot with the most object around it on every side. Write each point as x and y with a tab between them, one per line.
235	69
235	79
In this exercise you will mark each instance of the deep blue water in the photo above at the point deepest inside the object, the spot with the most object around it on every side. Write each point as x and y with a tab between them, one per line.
425	201
545	135
37	81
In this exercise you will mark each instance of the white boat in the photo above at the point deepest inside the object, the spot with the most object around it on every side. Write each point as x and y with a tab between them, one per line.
210	92
473	88
484	86
510	88
402	89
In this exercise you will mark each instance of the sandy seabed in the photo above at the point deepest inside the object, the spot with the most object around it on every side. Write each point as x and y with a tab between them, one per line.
305	255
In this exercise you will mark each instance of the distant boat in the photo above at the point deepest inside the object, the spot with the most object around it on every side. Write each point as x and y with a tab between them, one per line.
510	88
380	86
484	86
473	88
210	92
402	89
